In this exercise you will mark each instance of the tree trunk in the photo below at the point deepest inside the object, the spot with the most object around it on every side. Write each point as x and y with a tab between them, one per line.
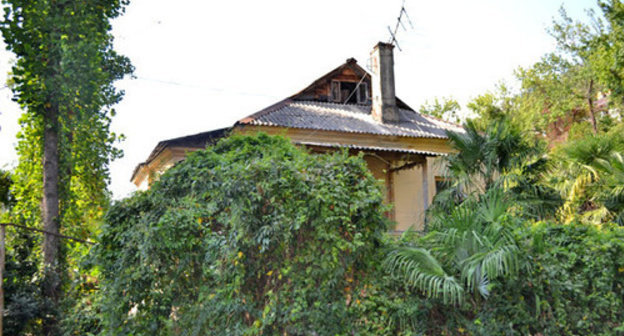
50	215
590	102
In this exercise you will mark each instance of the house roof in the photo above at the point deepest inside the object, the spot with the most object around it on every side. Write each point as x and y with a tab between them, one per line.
310	109
350	118
302	111
199	141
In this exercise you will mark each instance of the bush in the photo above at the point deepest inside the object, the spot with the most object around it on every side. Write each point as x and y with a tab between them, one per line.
575	285
251	236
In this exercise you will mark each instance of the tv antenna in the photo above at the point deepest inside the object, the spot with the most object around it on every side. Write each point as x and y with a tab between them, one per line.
393	32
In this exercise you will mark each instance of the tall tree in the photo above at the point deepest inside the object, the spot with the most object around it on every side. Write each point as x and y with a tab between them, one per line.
63	79
581	80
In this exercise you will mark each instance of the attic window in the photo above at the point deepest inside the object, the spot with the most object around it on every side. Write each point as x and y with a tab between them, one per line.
343	92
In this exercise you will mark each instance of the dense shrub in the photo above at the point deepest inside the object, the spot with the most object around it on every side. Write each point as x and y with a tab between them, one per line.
254	236
536	242
251	236
575	285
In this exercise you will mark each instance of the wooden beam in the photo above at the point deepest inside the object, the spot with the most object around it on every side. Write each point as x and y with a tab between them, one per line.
425	184
420	161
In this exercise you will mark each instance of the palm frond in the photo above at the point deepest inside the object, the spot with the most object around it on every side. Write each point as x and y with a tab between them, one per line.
422	271
488	264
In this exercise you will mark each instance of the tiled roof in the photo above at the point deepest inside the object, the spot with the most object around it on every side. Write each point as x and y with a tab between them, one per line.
351	118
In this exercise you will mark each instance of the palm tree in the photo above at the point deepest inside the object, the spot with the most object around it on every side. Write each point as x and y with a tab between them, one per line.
471	224
468	247
589	174
613	185
482	156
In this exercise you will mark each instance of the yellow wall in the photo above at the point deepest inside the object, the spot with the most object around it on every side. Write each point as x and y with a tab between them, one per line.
408	199
407	190
150	171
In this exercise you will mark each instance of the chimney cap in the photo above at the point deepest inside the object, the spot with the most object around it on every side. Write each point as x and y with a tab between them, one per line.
383	45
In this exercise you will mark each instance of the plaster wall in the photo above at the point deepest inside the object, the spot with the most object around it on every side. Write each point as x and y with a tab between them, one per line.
408	200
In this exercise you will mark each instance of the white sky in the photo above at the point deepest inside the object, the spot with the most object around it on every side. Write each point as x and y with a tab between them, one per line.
202	65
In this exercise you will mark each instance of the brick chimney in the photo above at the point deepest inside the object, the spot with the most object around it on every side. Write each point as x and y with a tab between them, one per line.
384	100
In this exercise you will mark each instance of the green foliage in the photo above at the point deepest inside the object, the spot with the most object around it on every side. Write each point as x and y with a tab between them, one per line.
575	287
6	197
251	236
23	301
22	298
463	252
588	174
423	271
486	268
393	307
552	90
63	80
484	155
85	294
65	61
579	84
492	107
445	108
525	242
596	48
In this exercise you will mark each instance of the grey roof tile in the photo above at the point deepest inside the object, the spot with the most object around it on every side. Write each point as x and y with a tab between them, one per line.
349	118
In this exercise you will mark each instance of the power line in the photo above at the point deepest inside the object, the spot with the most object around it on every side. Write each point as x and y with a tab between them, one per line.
3	255
207	88
48	232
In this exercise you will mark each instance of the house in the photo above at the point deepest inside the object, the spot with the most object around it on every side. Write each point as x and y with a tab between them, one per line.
346	108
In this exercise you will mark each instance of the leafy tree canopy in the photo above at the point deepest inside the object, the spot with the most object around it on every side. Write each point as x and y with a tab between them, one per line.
444	108
252	236
63	80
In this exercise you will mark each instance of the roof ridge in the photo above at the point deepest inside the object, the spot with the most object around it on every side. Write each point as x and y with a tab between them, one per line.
264	111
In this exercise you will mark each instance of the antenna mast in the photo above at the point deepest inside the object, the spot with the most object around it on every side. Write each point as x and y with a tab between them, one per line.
393	32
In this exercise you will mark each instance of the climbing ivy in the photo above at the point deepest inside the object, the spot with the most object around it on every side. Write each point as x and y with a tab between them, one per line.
63	81
252	236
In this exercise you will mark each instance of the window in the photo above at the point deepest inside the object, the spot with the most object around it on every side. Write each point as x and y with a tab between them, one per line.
335	91
363	94
344	92
441	184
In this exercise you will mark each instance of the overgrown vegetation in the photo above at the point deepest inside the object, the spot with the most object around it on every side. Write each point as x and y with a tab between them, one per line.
63	80
524	252
236	233
254	236
527	239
